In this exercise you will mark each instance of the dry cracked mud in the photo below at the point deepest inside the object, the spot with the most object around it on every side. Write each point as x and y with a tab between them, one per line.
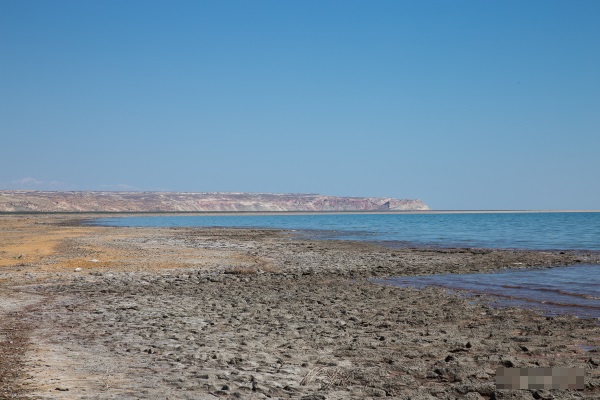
160	313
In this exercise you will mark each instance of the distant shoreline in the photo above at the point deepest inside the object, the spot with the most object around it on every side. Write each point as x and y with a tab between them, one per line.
154	202
258	213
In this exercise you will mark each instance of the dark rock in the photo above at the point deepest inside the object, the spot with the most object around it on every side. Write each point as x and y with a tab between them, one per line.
313	397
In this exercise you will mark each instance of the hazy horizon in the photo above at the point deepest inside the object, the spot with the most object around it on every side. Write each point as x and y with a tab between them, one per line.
465	106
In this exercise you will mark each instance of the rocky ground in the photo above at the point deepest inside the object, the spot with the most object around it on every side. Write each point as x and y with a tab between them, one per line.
128	313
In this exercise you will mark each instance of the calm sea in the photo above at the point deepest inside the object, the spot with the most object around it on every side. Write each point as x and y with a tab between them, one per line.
574	290
564	231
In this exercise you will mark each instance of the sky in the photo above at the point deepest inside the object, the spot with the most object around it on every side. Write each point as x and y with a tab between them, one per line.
463	104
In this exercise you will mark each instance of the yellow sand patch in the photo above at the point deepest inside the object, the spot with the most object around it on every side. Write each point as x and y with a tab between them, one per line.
24	241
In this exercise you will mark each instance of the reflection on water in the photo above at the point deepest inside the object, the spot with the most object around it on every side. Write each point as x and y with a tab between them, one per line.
560	290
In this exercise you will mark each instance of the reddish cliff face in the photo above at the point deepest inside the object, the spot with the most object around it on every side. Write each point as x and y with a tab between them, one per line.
23	201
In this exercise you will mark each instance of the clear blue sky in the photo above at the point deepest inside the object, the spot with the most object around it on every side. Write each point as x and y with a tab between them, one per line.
464	104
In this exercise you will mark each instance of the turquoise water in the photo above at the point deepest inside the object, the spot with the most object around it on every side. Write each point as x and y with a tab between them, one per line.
535	231
560	290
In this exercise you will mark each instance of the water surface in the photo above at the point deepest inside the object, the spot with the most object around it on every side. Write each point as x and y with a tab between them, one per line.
560	290
536	230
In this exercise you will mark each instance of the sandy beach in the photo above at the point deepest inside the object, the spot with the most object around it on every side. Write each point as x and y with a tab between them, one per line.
89	312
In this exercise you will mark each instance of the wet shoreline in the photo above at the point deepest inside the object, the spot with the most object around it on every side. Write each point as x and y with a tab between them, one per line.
573	290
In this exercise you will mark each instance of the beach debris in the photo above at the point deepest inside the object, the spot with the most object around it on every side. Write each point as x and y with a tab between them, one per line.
77	269
93	260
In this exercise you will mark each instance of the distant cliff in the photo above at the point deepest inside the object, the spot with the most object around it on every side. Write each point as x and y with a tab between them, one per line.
32	201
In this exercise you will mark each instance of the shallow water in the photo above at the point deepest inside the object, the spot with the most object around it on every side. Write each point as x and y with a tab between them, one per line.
571	290
535	231
560	290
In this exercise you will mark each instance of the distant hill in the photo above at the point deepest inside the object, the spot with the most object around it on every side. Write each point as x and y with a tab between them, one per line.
34	201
